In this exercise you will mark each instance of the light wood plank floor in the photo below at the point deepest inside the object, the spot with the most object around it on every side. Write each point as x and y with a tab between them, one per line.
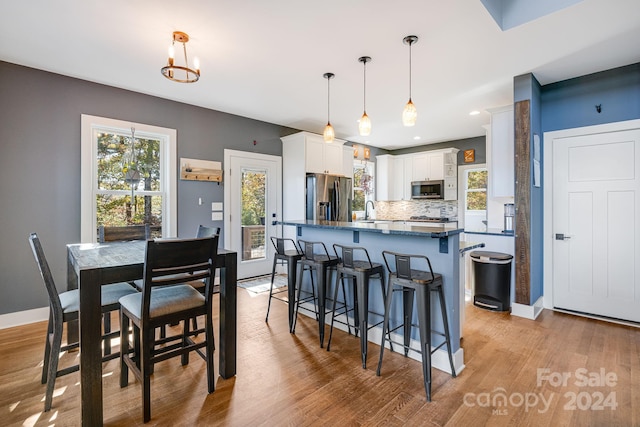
286	379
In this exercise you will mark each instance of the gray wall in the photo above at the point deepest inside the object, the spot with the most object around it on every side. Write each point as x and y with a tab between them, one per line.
40	165
478	143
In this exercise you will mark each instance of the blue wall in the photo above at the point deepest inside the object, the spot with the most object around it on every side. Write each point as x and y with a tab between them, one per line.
571	103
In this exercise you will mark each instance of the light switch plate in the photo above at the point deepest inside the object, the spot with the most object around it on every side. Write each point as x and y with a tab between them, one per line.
216	216
216	206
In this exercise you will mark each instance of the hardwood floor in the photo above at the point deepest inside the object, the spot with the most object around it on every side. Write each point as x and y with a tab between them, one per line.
286	379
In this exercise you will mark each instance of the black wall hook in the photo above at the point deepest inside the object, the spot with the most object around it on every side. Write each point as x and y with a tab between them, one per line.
599	108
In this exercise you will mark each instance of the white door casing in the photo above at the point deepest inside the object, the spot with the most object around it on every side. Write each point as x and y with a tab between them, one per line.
592	197
234	162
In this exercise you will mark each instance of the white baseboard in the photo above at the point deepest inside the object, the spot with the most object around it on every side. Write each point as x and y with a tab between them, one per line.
439	359
528	311
23	317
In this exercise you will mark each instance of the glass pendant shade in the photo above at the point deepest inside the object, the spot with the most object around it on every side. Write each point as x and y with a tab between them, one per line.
364	127
409	114
328	133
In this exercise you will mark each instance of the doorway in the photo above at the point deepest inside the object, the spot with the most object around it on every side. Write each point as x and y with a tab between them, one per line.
253	199
592	225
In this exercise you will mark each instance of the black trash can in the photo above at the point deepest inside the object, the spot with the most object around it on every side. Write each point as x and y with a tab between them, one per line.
492	275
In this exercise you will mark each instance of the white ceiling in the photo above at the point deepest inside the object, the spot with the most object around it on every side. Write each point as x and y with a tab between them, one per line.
265	59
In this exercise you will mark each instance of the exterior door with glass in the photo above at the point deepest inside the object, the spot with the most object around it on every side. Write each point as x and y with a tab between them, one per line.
252	200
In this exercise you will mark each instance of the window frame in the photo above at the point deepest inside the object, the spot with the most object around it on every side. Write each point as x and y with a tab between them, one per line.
371	167
89	171
475	190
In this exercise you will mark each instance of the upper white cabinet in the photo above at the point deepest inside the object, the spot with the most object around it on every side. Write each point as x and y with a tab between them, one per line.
322	157
305	152
500	152
428	166
347	160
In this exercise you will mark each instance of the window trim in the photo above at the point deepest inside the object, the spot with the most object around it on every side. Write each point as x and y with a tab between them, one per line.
89	168
475	190
363	164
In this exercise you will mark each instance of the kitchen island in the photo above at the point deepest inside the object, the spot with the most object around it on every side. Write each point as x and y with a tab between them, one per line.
439	243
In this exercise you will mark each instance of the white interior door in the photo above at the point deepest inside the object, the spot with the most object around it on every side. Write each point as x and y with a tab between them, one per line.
252	195
596	232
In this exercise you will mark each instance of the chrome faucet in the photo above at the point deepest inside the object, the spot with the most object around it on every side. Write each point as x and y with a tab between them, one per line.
366	208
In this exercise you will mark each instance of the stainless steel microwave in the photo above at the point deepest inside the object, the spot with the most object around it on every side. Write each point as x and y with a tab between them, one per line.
427	189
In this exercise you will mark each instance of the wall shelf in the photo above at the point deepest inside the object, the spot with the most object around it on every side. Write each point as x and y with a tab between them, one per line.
200	170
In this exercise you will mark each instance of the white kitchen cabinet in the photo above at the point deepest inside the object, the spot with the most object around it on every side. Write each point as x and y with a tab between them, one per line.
500	152
428	166
322	157
395	173
347	161
401	185
305	152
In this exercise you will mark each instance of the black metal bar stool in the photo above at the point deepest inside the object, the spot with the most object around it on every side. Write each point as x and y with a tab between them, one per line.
291	258
420	283
315	257
356	264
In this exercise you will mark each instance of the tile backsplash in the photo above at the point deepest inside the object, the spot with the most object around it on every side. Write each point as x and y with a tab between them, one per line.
404	209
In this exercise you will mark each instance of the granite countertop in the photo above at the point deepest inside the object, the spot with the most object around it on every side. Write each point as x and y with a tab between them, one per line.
385	227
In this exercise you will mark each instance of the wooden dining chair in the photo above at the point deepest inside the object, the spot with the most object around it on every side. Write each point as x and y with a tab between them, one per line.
168	262
63	307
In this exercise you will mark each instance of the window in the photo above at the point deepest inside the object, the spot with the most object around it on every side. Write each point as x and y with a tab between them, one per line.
476	190
363	184
128	176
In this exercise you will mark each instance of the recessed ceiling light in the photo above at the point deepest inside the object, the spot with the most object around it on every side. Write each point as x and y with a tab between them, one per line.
416	138
474	113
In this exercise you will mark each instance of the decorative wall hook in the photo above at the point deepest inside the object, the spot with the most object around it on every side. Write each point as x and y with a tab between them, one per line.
599	108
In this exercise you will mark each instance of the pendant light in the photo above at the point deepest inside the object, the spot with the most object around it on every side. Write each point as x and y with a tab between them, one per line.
364	127
181	73
409	114
328	133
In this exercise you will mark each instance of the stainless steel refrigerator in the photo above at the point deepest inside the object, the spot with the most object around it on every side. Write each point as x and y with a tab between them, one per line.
328	197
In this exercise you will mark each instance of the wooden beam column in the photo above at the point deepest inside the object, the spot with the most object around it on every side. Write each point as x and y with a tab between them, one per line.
522	140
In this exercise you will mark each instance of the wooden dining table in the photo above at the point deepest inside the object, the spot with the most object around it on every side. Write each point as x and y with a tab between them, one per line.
91	265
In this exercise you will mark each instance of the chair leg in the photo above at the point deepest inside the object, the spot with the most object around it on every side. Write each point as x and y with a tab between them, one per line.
184	358
273	274
340	277
424	325
297	302
211	378
385	323
106	320
47	351
445	323
56	344
407	297
124	349
145	366
344	296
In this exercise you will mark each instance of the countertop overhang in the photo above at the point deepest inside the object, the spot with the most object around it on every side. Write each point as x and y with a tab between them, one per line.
435	231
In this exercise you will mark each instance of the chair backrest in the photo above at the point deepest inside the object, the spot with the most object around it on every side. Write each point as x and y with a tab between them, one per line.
175	261
280	243
401	266
204	231
349	254
311	249
47	277
123	233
